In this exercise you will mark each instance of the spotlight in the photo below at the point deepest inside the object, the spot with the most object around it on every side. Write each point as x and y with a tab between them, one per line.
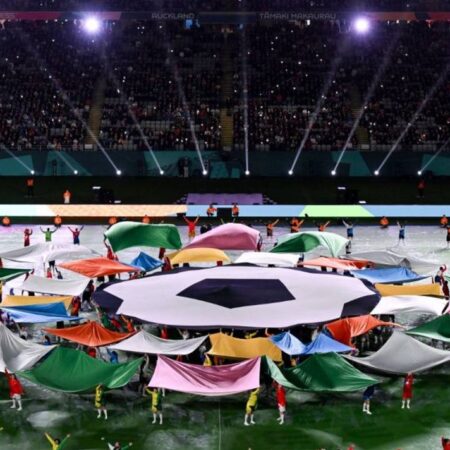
32	172
118	172
291	172
247	172
205	172
161	172
333	172
75	172
91	25
419	172
361	25
376	173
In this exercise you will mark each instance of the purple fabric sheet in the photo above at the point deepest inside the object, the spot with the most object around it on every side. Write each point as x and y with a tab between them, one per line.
228	379
224	199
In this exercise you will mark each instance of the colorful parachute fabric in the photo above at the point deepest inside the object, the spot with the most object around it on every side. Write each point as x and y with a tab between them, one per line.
325	344
288	343
391	275
411	304
71	370
97	267
26	300
10	274
438	329
197	255
235	296
17	354
146	262
403	354
326	372
230	347
432	289
91	334
52	312
335	263
227	379
344	330
54	287
230	236
125	235
268	259
305	241
143	342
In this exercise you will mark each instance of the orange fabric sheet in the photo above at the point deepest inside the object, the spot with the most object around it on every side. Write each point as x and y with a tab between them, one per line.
344	330
91	334
336	263
97	267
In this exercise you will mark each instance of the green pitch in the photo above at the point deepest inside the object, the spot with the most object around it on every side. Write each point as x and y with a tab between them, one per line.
194	423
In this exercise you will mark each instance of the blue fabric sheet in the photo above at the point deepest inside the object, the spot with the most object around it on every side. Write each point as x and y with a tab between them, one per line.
325	344
50	312
288	344
146	262
392	275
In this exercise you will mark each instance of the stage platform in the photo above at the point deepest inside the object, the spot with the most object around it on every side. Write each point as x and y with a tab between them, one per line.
97	211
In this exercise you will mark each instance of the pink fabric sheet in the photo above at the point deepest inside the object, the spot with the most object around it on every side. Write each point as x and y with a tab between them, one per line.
228	379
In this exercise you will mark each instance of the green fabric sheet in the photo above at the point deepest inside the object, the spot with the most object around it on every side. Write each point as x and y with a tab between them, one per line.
71	370
124	235
327	372
10	274
438	329
306	241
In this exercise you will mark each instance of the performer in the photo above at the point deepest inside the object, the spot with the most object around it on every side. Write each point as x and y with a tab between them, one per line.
349	227
191	226
401	233
26	237
117	446
156	404
444	221
56	443
407	391
48	233
100	402
15	390
367	395
270	226
322	226
384	222
281	401
235	210
211	210
250	407
296	224
76	235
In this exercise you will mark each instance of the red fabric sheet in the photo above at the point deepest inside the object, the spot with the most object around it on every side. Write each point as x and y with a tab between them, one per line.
336	263
97	267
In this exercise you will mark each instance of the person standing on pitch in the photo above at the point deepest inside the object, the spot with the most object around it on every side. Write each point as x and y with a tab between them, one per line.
48	233
191	226
156	404
250	407
76	234
26	237
15	390
367	395
349	228
281	401
407	390
401	232
269	228
56	443
100	402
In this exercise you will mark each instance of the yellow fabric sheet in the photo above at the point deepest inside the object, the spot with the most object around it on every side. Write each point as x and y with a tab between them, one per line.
26	300
409	289
231	347
197	255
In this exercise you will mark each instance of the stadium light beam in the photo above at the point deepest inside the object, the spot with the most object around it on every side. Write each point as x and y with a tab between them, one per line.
66	161
10	153
368	96
441	148
319	103
416	115
91	25
361	25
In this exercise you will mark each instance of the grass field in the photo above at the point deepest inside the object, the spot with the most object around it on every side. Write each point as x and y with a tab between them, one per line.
194	423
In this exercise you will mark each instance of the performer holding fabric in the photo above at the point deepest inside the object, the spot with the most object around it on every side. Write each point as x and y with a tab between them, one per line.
407	391
250	407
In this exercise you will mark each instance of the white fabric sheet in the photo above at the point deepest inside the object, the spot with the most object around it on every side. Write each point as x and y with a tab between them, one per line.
396	304
266	258
54	287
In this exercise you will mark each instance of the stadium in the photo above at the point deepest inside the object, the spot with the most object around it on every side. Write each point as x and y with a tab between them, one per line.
224	224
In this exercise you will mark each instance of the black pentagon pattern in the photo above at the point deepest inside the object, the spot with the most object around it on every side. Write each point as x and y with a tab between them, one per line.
237	293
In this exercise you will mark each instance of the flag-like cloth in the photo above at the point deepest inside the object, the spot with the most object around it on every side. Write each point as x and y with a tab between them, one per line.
327	372
197	255
10	274
411	304
52	312
26	300
391	275
268	259
55	287
344	330
227	379
97	267
143	342
125	235
291	345
91	334
235	296
230	236
432	289
71	370
335	263
146	262
305	241
17	354
234	348
438	329
403	354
